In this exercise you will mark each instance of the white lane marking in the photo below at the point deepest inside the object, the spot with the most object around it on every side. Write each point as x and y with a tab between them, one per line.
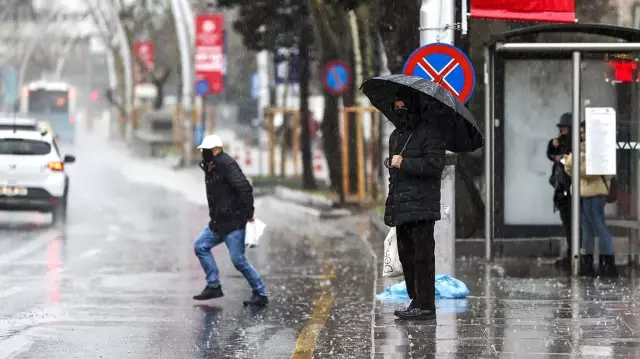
114	228
13	346
111	238
10	291
29	248
90	253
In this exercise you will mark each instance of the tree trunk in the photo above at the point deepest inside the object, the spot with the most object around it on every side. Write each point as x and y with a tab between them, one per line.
329	50
350	99
331	141
308	181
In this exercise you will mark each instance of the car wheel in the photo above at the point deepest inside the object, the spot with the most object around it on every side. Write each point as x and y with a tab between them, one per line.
59	214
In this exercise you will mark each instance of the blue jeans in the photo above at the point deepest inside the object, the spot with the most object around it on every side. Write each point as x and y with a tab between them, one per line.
235	243
592	223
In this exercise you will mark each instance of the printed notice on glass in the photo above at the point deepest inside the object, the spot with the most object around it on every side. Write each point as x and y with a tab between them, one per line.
600	138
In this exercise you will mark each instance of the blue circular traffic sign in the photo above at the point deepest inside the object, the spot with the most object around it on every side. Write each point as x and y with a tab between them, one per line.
445	65
202	87
336	77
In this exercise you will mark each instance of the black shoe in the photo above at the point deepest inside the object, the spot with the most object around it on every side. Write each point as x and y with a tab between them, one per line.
405	311
586	266
209	293
417	314
608	266
257	300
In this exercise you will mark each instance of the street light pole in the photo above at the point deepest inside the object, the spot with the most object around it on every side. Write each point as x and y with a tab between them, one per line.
187	76
187	11
125	51
102	26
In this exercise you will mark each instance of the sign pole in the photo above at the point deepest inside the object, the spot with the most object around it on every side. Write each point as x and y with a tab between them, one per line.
439	15
437	24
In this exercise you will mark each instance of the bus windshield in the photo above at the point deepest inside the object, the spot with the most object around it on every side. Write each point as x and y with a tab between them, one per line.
47	101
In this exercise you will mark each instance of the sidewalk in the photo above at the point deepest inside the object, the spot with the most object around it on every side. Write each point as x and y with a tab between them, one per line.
517	310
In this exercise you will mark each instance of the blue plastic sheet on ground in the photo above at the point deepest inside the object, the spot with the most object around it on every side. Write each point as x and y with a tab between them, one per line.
447	287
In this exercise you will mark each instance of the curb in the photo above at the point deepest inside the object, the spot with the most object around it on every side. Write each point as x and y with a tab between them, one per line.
302	198
317	206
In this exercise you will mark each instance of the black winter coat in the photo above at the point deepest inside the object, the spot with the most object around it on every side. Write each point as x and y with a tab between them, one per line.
229	195
414	188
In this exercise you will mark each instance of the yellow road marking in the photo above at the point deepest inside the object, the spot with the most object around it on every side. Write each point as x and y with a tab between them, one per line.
330	275
308	337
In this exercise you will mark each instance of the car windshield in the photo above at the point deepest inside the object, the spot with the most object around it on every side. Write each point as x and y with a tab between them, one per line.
19	146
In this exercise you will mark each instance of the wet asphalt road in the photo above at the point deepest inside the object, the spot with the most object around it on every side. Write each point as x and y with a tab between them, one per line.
117	281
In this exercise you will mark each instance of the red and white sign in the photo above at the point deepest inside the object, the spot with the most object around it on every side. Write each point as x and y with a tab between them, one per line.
525	10
209	56
147	53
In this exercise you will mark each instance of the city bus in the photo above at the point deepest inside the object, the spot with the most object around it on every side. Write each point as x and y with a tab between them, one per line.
51	102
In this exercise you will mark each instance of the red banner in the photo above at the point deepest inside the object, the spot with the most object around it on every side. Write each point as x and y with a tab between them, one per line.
209	56
147	53
525	10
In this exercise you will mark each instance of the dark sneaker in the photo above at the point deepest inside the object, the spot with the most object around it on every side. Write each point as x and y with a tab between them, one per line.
411	306
417	314
257	300
209	293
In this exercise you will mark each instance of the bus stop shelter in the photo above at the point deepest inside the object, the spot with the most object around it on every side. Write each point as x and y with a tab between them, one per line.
532	76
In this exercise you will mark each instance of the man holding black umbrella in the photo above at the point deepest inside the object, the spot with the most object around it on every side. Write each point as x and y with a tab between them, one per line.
417	154
429	120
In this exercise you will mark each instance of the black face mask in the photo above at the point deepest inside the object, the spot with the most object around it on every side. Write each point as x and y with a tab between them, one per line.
207	155
403	115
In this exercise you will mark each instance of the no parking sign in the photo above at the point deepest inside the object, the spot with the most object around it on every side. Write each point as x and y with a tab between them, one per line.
446	65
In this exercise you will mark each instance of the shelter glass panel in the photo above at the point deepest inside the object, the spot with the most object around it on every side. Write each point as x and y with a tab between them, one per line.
537	93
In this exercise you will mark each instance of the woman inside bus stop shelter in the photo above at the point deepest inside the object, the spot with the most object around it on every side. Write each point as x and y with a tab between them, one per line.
594	190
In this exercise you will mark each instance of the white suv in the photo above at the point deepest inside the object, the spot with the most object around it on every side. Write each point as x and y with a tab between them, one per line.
32	175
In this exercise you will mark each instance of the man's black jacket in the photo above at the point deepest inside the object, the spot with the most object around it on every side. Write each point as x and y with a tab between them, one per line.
229	194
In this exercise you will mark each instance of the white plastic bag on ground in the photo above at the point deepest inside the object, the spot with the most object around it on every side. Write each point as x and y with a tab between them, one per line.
253	232
392	266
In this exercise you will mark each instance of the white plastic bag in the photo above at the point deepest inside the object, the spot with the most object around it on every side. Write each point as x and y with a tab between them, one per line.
392	266
253	232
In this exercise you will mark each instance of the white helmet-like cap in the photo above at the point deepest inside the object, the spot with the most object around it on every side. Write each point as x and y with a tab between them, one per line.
210	142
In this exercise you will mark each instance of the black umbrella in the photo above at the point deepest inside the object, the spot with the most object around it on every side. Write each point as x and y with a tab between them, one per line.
455	122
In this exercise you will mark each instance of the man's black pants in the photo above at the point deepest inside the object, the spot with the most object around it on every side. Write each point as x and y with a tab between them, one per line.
416	246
